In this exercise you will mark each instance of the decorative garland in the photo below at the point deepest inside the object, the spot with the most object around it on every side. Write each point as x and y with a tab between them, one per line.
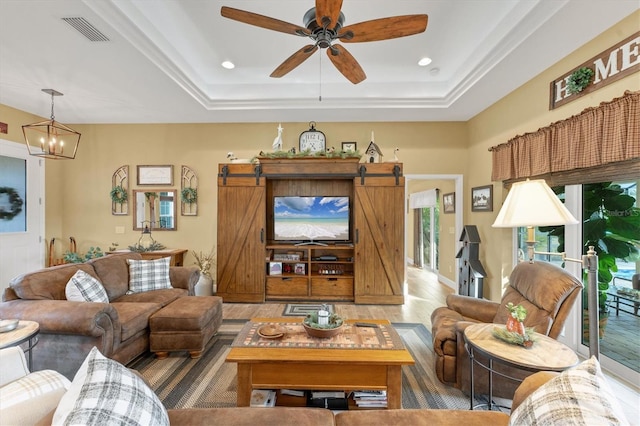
14	199
153	247
292	153
189	195
119	195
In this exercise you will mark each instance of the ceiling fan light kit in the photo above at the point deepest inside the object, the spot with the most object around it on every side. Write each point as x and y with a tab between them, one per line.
323	24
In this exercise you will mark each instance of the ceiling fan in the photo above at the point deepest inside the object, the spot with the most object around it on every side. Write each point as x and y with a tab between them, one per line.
323	25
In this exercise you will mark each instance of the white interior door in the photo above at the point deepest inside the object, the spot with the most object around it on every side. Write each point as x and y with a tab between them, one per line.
21	247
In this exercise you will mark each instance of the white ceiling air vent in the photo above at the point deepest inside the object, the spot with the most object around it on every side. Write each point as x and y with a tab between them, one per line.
86	29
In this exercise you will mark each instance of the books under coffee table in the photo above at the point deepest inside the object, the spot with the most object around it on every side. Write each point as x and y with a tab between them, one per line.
318	366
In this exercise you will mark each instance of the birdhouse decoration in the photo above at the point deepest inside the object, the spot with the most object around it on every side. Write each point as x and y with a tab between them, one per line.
471	272
373	153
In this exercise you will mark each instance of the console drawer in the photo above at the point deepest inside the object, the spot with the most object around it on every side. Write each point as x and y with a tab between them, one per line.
332	286
287	286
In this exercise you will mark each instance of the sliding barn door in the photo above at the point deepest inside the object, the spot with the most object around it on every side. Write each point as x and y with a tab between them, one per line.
379	240
241	238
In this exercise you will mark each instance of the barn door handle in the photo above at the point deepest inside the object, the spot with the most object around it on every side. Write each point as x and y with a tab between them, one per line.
261	235
357	237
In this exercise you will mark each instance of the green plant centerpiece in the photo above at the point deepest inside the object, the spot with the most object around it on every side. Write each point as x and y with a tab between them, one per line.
313	327
579	80
73	257
152	247
515	332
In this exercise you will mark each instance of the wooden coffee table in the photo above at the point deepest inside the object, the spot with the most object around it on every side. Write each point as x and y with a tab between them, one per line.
319	368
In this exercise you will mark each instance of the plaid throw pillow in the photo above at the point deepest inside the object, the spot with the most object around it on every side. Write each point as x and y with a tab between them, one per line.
107	393
147	275
30	387
82	287
578	396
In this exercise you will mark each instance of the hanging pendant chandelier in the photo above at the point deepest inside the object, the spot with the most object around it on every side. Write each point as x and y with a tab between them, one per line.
50	139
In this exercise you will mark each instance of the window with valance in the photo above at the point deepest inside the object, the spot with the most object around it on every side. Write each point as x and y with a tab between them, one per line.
599	144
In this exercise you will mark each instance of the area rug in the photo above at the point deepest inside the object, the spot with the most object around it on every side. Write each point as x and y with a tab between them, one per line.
182	382
302	309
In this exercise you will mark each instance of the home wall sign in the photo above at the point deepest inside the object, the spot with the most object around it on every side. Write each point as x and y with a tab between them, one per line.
615	63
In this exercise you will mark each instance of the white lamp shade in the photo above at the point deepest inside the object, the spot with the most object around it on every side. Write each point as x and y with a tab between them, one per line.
532	203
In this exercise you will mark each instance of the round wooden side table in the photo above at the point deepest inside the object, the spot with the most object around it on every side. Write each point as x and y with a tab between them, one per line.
546	354
26	331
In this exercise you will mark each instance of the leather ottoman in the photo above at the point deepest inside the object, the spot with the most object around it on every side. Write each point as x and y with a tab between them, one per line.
186	324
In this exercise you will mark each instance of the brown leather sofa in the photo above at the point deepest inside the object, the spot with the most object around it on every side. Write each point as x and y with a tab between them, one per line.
68	330
545	290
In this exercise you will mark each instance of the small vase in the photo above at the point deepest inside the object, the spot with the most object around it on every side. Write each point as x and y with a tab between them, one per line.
204	286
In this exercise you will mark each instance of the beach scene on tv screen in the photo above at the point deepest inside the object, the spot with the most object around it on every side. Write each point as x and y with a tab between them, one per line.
311	218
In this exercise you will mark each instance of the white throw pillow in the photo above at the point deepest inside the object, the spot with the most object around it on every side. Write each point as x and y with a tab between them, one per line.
147	275
82	287
105	392
578	396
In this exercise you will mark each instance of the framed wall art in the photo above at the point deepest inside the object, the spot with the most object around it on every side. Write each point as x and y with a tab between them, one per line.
155	175
349	146
449	202
482	199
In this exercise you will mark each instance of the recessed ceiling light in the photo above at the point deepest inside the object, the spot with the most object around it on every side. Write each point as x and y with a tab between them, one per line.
434	71
228	65
424	61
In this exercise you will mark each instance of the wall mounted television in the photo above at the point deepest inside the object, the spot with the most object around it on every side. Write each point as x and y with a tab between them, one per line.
311	220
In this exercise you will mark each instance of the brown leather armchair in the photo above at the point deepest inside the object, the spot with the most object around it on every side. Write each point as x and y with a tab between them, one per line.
545	290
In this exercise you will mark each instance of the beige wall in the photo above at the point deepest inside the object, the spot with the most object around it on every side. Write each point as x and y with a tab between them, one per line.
526	110
77	192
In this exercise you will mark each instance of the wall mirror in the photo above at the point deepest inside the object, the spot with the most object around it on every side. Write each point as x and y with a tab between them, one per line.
157	209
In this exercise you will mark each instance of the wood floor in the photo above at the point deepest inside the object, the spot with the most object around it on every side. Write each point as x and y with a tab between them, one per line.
425	294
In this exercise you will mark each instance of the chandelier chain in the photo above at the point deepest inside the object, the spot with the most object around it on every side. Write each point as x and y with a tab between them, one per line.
52	116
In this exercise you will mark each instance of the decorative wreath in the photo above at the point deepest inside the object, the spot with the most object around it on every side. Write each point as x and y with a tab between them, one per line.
579	80
119	195
16	203
189	195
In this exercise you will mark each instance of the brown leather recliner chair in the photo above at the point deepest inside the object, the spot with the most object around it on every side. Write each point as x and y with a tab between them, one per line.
545	290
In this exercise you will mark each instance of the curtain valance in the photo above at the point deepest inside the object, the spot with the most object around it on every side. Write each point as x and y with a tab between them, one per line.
594	143
419	200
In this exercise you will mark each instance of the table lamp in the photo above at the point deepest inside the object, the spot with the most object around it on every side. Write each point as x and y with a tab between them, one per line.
532	203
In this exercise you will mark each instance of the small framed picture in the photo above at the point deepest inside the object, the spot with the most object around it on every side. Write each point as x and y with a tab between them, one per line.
275	268
449	202
349	146
482	199
155	175
300	269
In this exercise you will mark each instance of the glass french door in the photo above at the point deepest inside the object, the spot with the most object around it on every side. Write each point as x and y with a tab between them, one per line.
610	221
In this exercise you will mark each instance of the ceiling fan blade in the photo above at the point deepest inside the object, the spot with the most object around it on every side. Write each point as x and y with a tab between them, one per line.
384	28
263	21
346	63
330	9
294	60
